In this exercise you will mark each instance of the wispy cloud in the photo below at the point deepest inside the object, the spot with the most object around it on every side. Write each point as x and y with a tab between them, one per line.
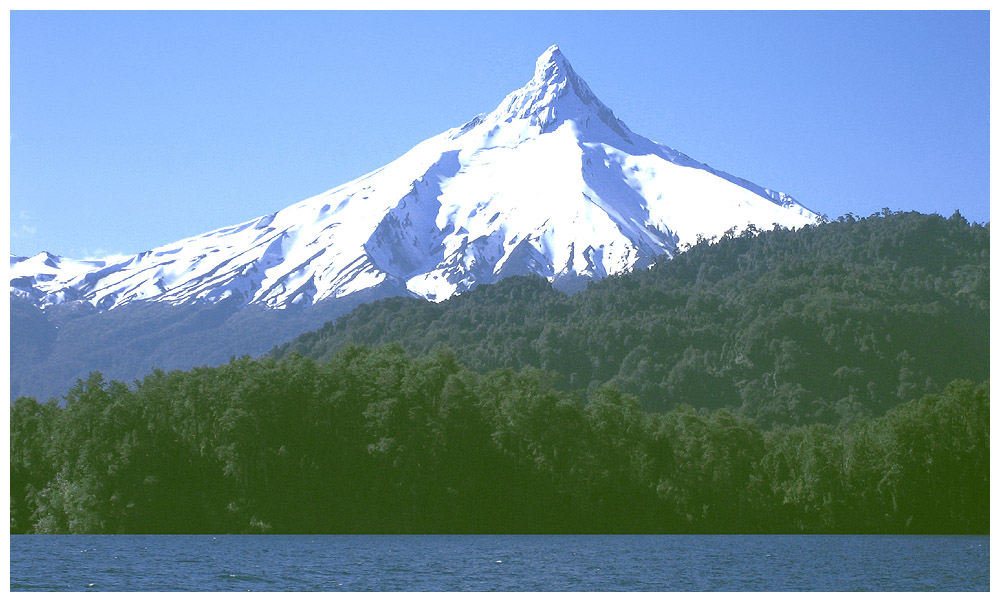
23	229
100	253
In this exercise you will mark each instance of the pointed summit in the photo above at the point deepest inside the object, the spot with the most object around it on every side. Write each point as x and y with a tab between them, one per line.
552	54
552	65
556	94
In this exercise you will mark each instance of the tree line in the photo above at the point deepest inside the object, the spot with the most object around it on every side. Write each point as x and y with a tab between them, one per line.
374	440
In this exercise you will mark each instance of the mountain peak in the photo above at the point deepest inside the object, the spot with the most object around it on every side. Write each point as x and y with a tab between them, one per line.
552	53
555	94
552	64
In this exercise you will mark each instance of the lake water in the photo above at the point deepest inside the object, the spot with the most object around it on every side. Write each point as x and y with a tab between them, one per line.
498	563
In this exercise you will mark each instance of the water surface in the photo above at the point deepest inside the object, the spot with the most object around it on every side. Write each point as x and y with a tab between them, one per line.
498	563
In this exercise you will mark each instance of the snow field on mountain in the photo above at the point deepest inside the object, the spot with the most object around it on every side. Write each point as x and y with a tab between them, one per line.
549	183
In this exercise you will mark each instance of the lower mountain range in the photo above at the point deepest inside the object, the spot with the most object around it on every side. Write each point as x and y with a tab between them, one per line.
52	348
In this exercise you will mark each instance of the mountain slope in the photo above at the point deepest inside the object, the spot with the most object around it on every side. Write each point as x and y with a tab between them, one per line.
550	183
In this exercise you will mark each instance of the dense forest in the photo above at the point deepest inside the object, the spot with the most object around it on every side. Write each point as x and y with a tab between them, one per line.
377	441
830	379
824	324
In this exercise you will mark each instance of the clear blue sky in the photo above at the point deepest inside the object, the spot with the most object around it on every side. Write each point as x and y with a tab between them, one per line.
134	129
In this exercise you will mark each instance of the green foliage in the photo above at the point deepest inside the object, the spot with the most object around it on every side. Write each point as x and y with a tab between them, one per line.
373	440
830	323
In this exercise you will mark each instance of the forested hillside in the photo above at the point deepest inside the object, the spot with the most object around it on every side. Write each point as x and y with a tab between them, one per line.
827	324
375	441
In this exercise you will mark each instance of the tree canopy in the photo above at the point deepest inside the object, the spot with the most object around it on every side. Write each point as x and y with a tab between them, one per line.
373	440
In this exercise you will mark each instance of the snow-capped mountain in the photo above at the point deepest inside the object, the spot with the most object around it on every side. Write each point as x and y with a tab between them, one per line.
549	183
